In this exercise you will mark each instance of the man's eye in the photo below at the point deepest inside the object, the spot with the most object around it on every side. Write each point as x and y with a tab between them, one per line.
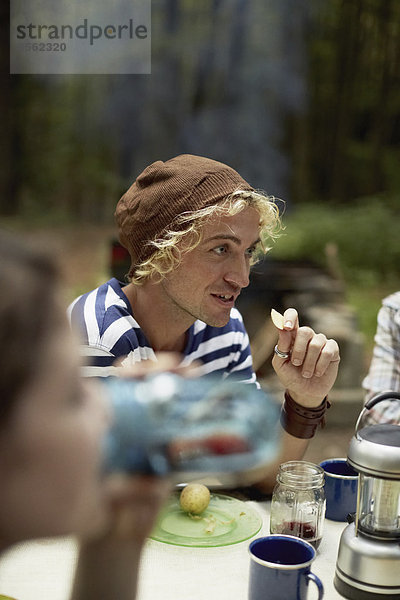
220	249
251	251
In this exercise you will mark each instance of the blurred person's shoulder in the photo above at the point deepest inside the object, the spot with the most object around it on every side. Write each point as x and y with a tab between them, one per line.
392	301
389	314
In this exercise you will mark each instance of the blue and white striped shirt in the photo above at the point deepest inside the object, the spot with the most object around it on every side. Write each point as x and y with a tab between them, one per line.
108	330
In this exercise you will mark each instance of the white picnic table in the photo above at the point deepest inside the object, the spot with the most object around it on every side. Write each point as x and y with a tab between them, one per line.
44	569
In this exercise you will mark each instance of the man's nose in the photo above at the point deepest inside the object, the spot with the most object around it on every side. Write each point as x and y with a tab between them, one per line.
238	275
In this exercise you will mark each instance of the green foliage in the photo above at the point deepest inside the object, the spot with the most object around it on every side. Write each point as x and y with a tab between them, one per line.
64	165
302	98
367	301
365	233
348	143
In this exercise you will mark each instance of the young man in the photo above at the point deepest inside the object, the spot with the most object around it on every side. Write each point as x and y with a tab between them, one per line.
193	227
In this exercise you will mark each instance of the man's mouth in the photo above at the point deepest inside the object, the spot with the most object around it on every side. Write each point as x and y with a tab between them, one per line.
228	298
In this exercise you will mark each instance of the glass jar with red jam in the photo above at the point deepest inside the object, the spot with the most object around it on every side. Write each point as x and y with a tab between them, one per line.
298	501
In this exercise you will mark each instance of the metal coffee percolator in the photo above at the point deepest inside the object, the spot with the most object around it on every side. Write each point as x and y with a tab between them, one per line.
368	562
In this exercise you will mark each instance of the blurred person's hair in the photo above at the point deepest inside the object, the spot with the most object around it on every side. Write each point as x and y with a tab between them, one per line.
29	313
185	232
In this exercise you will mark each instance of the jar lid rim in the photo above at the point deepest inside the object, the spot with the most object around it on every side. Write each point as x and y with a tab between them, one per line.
295	471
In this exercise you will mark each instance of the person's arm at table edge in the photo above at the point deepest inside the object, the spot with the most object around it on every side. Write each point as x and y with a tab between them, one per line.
108	564
107	571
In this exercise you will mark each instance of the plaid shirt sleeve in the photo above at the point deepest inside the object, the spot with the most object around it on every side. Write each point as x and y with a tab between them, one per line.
384	371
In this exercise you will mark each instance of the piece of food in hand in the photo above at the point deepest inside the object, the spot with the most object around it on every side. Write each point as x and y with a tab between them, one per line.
277	319
194	498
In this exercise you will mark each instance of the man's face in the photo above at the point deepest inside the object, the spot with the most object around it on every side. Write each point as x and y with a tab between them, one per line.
210	277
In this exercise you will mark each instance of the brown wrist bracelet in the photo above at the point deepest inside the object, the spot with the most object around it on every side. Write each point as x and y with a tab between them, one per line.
300	421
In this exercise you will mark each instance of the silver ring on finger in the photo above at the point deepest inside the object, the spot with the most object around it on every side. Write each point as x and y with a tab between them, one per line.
280	353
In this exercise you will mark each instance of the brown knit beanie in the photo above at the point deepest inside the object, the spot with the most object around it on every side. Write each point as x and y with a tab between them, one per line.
163	191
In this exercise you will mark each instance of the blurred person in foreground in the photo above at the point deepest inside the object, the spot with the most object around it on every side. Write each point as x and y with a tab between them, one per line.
51	435
384	370
193	227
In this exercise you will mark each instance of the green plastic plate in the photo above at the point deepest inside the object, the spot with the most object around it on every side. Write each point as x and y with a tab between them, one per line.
226	521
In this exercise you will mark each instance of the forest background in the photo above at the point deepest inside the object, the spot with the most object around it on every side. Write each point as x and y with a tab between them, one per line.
302	97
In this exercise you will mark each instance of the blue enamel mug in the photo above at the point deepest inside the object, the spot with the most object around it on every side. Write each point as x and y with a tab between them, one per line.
341	483
280	567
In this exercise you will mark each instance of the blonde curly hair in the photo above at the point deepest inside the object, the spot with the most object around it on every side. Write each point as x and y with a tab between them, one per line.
168	248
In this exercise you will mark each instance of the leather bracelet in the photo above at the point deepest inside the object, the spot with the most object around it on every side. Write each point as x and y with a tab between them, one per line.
300	421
